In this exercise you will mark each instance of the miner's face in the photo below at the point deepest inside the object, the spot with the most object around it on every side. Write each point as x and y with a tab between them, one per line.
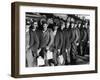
35	24
67	24
63	26
45	26
72	25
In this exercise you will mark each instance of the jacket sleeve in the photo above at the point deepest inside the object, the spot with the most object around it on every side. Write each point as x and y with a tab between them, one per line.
72	36
76	36
31	41
67	41
61	40
34	42
51	39
84	36
64	38
79	36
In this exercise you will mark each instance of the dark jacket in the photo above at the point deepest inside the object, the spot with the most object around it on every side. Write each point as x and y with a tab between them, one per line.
84	35
46	38
88	34
58	40
39	34
67	41
77	35
34	40
74	36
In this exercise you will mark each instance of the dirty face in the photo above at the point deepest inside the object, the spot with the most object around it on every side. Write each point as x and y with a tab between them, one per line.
45	26
35	24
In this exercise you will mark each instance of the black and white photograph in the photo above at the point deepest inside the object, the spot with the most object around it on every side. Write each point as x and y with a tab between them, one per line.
51	39
54	39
